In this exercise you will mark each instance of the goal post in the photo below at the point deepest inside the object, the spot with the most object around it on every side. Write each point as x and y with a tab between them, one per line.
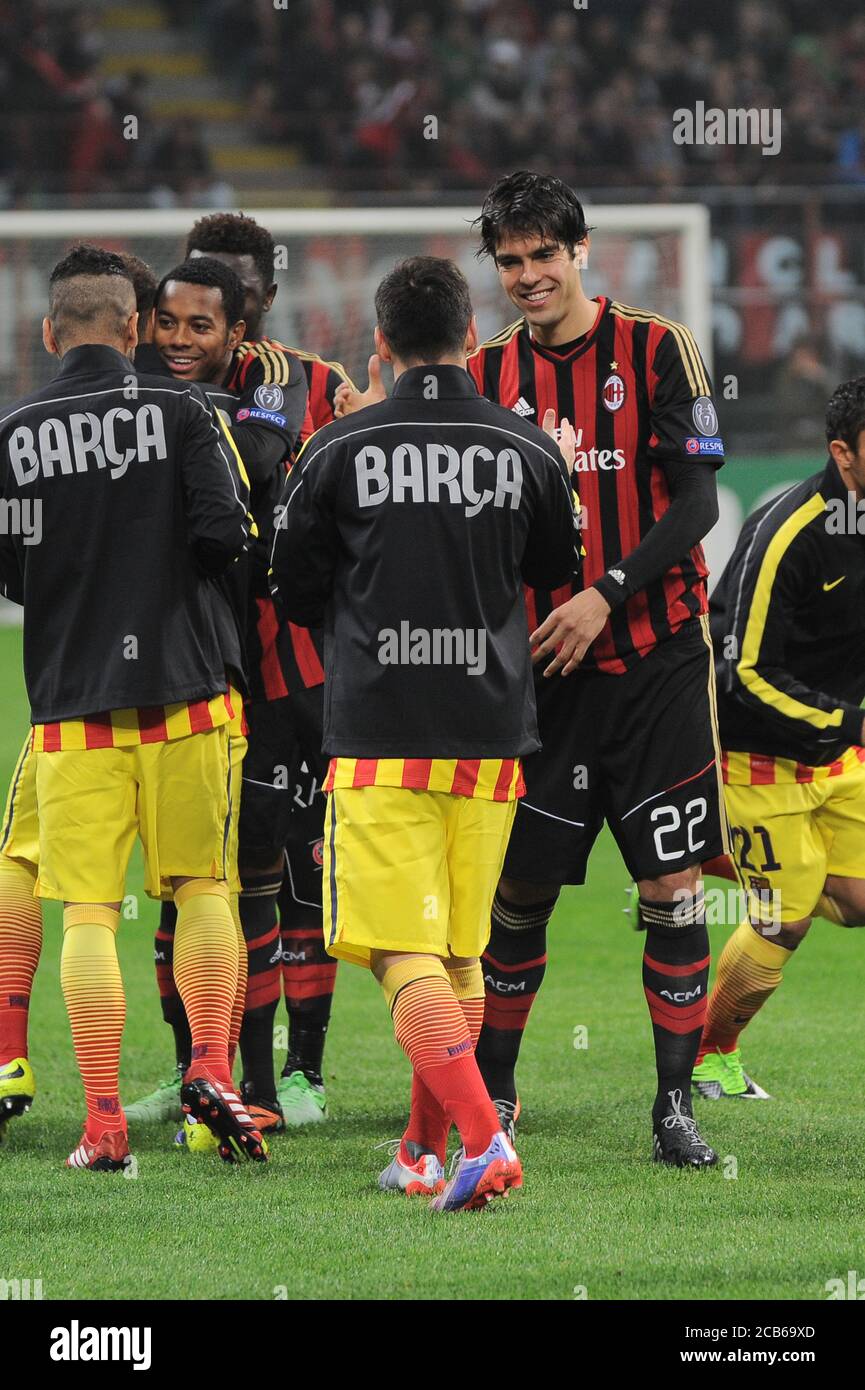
329	261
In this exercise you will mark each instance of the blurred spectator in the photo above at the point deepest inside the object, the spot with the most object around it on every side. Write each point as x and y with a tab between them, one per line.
349	84
802	387
181	171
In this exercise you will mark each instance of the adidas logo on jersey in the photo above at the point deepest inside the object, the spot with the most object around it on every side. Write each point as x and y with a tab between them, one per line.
522	407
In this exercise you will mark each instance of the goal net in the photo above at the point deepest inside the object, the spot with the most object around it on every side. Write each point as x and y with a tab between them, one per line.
329	262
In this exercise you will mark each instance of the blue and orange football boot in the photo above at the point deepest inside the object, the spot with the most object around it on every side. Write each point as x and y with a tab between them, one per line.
476	1181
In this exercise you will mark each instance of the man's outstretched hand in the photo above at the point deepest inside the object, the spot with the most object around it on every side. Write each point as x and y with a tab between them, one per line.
562	434
571	628
347	399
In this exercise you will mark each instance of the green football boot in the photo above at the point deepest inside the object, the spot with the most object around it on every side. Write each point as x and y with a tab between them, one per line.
721	1076
303	1102
161	1104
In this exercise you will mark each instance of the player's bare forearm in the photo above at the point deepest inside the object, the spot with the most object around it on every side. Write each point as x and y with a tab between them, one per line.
569	631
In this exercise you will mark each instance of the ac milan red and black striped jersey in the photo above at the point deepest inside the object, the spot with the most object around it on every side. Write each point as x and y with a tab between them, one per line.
283	657
638	394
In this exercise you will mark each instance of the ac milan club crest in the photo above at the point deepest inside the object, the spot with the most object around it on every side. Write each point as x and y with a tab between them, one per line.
614	392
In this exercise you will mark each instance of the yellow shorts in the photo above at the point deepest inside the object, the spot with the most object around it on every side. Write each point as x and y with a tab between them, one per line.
236	755
410	871
176	795
788	836
19	836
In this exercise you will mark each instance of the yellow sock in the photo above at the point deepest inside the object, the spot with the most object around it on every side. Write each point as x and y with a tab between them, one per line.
206	956
468	986
749	970
93	990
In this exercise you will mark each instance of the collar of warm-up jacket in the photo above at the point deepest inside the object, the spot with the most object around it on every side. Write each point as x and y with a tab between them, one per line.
92	358
453	383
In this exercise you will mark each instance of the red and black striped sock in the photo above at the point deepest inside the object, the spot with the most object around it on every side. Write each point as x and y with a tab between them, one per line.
675	980
513	964
172	1005
308	979
261	931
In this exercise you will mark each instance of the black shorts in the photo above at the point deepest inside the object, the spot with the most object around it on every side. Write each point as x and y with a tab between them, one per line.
638	750
304	842
283	758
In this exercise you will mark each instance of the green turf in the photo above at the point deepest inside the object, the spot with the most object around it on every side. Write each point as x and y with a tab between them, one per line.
594	1213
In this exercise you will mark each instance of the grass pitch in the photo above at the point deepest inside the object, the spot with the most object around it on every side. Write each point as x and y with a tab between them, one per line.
779	1217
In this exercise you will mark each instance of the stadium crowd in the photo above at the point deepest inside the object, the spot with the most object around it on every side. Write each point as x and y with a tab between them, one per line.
65	127
588	93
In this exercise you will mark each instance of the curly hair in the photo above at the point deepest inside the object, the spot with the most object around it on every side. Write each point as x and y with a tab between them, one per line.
845	413
238	235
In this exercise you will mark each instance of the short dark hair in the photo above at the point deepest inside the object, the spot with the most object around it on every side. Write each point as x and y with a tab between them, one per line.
238	235
143	281
527	204
86	259
203	270
424	309
76	303
845	413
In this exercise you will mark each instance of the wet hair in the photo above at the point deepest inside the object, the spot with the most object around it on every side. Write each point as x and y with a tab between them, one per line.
525	204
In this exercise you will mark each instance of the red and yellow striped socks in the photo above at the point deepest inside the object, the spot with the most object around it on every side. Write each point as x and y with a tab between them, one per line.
239	1006
20	947
206	962
749	971
93	990
431	1028
428	1124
